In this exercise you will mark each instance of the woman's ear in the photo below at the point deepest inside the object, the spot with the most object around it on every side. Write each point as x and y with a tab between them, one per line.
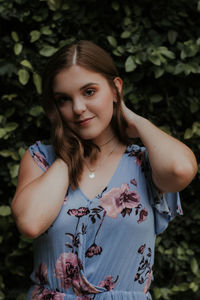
118	82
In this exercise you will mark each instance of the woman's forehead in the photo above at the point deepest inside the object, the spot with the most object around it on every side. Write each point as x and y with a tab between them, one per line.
76	77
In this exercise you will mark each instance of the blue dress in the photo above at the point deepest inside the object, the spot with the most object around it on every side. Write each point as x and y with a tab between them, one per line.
103	248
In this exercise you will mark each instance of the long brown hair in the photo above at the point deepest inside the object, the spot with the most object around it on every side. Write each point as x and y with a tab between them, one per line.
67	145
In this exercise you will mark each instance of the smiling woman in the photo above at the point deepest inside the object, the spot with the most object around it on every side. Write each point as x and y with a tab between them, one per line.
92	81
92	200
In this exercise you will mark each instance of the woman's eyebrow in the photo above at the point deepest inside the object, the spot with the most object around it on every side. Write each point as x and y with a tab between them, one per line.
81	88
88	84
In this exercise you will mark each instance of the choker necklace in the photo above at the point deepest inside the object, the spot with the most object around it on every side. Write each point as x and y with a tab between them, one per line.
91	174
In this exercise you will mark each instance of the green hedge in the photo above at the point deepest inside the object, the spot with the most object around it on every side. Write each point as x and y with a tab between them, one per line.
156	46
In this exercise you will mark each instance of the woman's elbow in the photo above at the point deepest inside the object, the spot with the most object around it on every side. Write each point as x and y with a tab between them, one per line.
28	230
26	227
185	173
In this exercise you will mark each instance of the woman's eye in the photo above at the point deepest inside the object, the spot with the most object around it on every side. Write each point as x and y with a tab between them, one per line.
89	92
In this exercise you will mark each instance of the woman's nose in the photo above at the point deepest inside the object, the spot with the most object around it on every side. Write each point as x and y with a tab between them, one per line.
79	106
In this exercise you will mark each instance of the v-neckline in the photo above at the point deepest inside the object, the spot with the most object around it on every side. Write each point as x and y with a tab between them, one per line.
109	182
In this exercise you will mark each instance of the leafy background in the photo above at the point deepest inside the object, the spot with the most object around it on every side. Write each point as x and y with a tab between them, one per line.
156	46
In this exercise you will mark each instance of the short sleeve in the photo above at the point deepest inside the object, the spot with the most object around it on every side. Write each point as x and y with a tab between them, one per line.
42	154
166	206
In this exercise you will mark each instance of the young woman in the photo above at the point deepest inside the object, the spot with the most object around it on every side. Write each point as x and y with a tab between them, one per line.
93	201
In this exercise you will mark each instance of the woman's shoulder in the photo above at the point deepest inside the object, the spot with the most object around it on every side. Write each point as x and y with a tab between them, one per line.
43	154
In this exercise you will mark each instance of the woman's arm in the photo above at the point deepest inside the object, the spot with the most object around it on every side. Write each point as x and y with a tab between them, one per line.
39	195
173	163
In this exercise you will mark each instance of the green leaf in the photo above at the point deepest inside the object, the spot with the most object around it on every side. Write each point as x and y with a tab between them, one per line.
54	4
23	76
115	5
127	10
157	293
196	128
11	126
15	36
172	36
9	97
13	169
2	118
5	211
194	107
2	132
126	34
158	72
190	49
46	30
156	98
9	153
35	35
127	21
194	266
36	111
21	152
37	80
9	112
179	68
155	59
27	64
18	48
198	6
48	51
164	51
112	41
189	68
65	6
130	64
188	134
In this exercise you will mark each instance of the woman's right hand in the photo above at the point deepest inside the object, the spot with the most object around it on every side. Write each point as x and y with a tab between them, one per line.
39	195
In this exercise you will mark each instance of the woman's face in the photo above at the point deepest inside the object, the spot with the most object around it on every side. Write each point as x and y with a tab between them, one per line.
85	100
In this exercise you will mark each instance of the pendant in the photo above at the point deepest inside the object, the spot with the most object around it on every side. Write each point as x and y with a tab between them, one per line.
91	175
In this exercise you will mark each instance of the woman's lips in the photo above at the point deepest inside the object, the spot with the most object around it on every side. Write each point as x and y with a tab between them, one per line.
85	121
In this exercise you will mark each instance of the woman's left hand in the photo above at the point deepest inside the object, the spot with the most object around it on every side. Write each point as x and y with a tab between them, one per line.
130	116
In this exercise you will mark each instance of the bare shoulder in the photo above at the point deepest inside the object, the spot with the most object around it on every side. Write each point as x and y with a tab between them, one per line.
28	171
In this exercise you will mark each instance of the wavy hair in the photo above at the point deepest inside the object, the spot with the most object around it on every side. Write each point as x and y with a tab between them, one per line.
67	145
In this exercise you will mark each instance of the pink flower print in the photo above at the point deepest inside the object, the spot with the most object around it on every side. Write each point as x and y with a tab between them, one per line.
93	250
67	269
143	215
141	249
41	293
148	282
108	283
40	160
118	199
139	158
80	212
41	274
133	182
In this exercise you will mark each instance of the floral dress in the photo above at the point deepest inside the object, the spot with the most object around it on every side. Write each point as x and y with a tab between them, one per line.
103	248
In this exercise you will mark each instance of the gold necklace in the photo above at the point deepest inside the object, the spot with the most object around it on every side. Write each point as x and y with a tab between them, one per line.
91	174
